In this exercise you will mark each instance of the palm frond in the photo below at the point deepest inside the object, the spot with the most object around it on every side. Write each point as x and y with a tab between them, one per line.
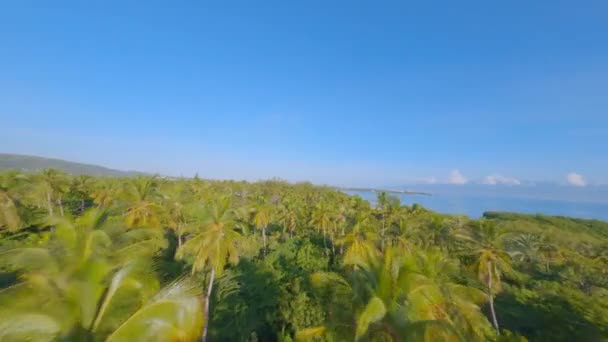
175	313
28	327
373	312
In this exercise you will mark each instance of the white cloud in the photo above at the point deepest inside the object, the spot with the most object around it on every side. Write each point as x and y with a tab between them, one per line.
457	178
499	179
576	179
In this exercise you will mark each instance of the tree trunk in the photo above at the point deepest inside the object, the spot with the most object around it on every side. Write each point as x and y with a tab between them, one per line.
81	206
264	238
494	320
342	244
60	206
382	234
179	245
49	204
207	300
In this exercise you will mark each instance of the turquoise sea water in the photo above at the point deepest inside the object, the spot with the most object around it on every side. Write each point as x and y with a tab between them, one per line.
475	206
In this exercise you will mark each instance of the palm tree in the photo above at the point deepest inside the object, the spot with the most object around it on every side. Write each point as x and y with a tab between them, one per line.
523	248
104	194
74	288
322	219
534	249
372	303
340	220
360	240
177	220
484	243
439	233
434	295
51	184
548	253
214	245
288	218
382	201
143	211
82	186
172	314
9	201
261	218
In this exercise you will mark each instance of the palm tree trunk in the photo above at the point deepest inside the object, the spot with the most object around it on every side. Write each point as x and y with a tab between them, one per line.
179	245
178	232
264	238
493	312
49	204
382	234
207	300
342	244
60	206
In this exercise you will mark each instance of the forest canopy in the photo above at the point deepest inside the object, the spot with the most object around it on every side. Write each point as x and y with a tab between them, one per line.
148	258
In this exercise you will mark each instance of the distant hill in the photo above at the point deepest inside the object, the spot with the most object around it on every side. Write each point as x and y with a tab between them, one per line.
33	163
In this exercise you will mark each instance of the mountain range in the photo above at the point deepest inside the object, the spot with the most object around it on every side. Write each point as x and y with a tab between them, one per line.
34	163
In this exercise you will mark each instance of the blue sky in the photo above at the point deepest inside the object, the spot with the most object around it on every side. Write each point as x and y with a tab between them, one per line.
340	92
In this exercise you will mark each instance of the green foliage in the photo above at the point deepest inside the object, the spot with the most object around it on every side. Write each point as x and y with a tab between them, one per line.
146	258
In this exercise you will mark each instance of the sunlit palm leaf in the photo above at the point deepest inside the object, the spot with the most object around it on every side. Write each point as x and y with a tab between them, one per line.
373	312
174	314
29	327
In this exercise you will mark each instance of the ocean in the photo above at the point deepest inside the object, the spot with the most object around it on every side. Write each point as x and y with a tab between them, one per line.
475	206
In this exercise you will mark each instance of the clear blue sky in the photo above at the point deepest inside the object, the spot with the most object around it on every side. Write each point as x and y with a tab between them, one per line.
342	92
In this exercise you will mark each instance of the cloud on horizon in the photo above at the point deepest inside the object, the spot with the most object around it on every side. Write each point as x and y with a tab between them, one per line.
576	179
456	177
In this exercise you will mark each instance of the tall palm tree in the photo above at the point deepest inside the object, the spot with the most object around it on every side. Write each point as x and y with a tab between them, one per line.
51	185
213	246
382	201
322	219
484	242
288	217
177	219
261	219
340	221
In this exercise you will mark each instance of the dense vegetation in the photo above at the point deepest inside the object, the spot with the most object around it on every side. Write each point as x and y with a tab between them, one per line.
126	259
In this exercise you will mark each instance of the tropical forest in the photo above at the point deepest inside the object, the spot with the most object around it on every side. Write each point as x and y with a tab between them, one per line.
149	258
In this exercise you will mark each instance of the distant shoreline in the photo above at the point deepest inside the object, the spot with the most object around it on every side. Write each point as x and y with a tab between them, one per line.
401	192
